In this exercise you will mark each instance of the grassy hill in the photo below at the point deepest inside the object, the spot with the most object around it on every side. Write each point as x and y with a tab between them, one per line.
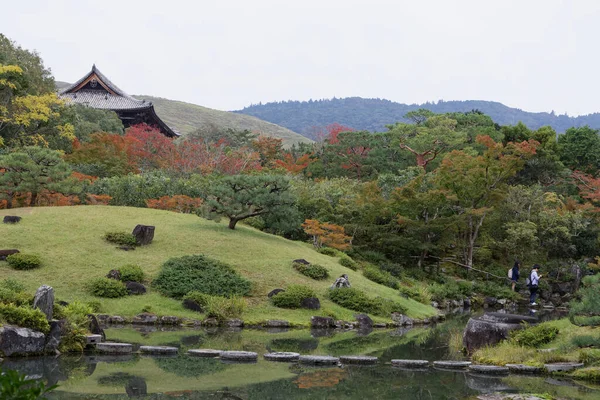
69	241
187	118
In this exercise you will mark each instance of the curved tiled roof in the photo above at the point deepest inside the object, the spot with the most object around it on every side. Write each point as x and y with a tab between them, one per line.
103	100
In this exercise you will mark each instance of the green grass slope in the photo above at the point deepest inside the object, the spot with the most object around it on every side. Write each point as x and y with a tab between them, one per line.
187	118
69	241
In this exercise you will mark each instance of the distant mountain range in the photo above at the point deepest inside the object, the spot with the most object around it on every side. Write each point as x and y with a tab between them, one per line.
187	118
375	114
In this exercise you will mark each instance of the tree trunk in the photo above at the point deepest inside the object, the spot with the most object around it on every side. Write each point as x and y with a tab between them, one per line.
9	201
33	200
421	161
232	222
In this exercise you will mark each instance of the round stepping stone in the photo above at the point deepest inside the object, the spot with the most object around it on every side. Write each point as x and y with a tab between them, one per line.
358	360
281	356
158	350
562	367
489	369
207	353
524	369
239	356
410	363
451	364
318	360
114	348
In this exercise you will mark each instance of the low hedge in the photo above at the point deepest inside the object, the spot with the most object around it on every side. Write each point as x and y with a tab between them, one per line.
376	275
105	287
24	316
356	300
120	238
314	271
131	273
22	261
347	262
292	296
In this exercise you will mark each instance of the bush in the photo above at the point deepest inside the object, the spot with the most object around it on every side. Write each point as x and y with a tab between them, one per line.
120	238
376	275
13	292
495	289
328	251
131	273
200	298
22	261
418	293
25	317
586	341
347	262
591	374
14	385
105	287
223	308
292	297
534	336
314	271
356	300
182	275
76	313
451	290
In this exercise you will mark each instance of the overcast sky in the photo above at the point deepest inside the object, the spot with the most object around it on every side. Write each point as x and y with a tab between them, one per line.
538	55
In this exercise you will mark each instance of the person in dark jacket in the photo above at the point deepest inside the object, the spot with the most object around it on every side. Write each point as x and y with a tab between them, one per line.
515	274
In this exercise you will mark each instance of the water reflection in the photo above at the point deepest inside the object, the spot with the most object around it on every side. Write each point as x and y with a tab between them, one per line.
187	377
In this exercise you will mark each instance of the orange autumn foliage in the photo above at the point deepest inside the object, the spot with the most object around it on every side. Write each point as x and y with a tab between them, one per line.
294	165
326	234
178	203
323	378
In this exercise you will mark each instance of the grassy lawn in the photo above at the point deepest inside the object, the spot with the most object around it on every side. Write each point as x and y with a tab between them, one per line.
69	241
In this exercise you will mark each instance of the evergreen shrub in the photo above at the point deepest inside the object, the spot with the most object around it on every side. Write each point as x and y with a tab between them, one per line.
534	336
328	251
13	292
292	296
199	297
314	271
347	262
22	261
223	308
376	275
182	275
105	287
357	300
131	273
120	238
25	317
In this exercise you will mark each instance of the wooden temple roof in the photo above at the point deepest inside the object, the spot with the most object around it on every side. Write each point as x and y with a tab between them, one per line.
97	91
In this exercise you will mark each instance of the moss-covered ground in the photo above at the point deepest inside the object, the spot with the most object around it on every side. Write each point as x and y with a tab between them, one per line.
69	241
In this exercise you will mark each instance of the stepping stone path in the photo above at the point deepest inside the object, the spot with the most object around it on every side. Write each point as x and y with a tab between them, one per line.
158	350
524	369
281	356
562	367
451	364
239	356
114	348
207	353
93	339
410	363
318	360
489	369
358	360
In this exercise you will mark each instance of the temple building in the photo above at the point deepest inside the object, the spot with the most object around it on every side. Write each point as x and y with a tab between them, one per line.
96	91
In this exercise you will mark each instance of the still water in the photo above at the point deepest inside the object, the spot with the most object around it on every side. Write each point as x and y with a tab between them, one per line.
183	377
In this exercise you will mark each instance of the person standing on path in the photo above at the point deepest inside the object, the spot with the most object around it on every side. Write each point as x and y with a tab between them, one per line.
534	280
514	277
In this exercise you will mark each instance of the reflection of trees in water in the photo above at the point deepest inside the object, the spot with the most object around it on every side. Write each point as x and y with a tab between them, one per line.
293	345
189	366
52	370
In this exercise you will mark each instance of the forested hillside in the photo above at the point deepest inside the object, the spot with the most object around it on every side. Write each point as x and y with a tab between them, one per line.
375	114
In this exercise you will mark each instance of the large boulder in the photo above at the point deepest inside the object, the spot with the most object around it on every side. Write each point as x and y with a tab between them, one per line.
341	282
135	288
44	300
6	253
274	292
94	326
53	338
322	322
11	219
364	321
192	305
145	319
114	274
491	328
144	234
401	319
311	303
16	341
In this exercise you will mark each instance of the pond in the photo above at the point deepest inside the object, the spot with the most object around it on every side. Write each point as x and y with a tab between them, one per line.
183	377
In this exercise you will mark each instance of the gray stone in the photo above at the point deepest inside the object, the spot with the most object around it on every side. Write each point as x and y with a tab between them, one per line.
491	328
341	282
318	360
192	305
145	318
322	322
169	320
364	321
233	323
276	323
144	234
44	300
380	325
467	303
135	288
117	319
281	356
451	364
490	302
359	360
410	363
20	341
301	261
103	318
210	322
54	336
401	319
489	369
114	348
93	339
239	355
524	369
435	304
11	219
158	350
114	274
274	292
94	326
562	367
311	303
6	253
206	353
